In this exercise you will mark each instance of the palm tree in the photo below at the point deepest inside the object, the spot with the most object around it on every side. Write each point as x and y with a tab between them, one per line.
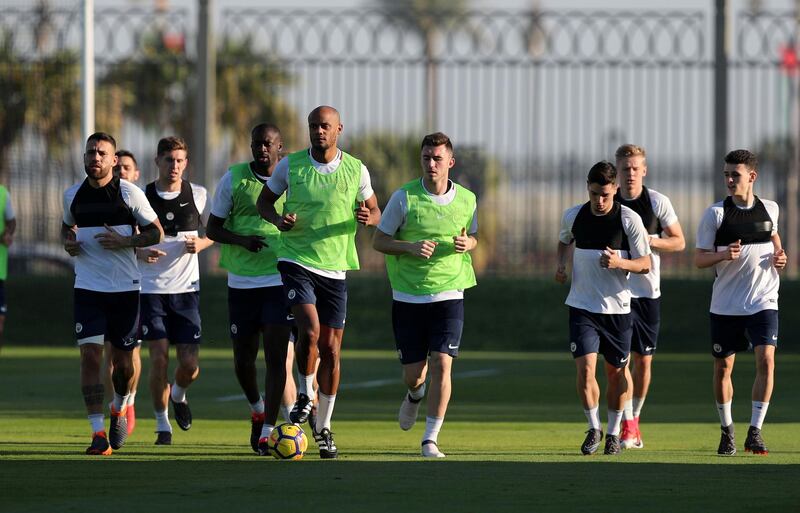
156	87
249	87
15	102
429	19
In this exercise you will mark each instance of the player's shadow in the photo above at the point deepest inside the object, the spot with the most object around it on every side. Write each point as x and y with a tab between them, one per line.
589	484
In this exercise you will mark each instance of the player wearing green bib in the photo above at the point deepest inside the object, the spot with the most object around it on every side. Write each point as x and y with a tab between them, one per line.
8	224
327	193
427	230
255	295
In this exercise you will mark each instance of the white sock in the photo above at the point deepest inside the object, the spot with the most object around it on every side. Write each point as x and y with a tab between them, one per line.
131	398
725	417
759	413
266	430
305	385
638	402
119	402
614	418
593	416
162	421
432	427
418	393
178	393
98	421
257	407
325	411
627	410
285	409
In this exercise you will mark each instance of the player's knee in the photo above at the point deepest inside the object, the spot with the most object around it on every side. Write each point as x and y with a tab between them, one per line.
585	374
329	352
413	381
159	361
616	375
765	364
192	369
309	334
91	356
439	366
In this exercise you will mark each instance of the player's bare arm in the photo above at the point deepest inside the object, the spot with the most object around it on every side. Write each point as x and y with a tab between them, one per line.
563	253
216	231
195	244
704	258
198	243
148	235
266	209
463	242
610	259
387	244
7	238
68	235
673	240
779	258
149	255
368	212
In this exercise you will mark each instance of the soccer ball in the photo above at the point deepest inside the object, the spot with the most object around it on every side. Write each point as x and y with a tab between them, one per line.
287	442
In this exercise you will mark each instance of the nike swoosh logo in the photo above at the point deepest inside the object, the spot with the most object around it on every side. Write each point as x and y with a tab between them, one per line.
624	360
648	348
774	337
197	335
129	342
184	204
451	346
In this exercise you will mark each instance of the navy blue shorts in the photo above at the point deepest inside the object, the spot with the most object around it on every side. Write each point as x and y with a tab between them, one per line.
175	317
302	287
646	318
425	327
250	309
2	297
112	316
607	334
733	333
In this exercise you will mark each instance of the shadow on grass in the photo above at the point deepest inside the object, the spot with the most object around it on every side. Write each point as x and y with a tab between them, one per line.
590	485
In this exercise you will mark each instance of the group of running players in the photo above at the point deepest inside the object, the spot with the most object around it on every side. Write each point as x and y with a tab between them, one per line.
614	241
287	228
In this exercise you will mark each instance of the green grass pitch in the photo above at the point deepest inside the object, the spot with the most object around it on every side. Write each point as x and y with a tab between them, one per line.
511	437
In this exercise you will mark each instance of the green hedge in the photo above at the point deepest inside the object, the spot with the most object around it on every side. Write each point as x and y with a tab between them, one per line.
501	313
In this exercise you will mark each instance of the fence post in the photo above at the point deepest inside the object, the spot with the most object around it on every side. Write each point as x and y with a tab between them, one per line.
720	95
793	176
87	71
205	105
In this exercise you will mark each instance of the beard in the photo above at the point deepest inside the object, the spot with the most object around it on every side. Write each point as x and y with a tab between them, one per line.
96	173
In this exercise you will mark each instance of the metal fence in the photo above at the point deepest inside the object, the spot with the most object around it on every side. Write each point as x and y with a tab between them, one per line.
531	100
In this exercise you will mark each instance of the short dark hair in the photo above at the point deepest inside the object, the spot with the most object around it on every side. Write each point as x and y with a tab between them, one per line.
102	136
126	153
437	139
265	127
171	143
746	157
602	173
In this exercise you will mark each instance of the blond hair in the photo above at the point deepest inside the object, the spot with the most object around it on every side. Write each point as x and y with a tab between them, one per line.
630	150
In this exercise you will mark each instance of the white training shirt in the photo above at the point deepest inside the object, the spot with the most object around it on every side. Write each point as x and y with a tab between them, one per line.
594	288
176	272
649	285
749	284
223	204
279	183
393	219
105	270
9	210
